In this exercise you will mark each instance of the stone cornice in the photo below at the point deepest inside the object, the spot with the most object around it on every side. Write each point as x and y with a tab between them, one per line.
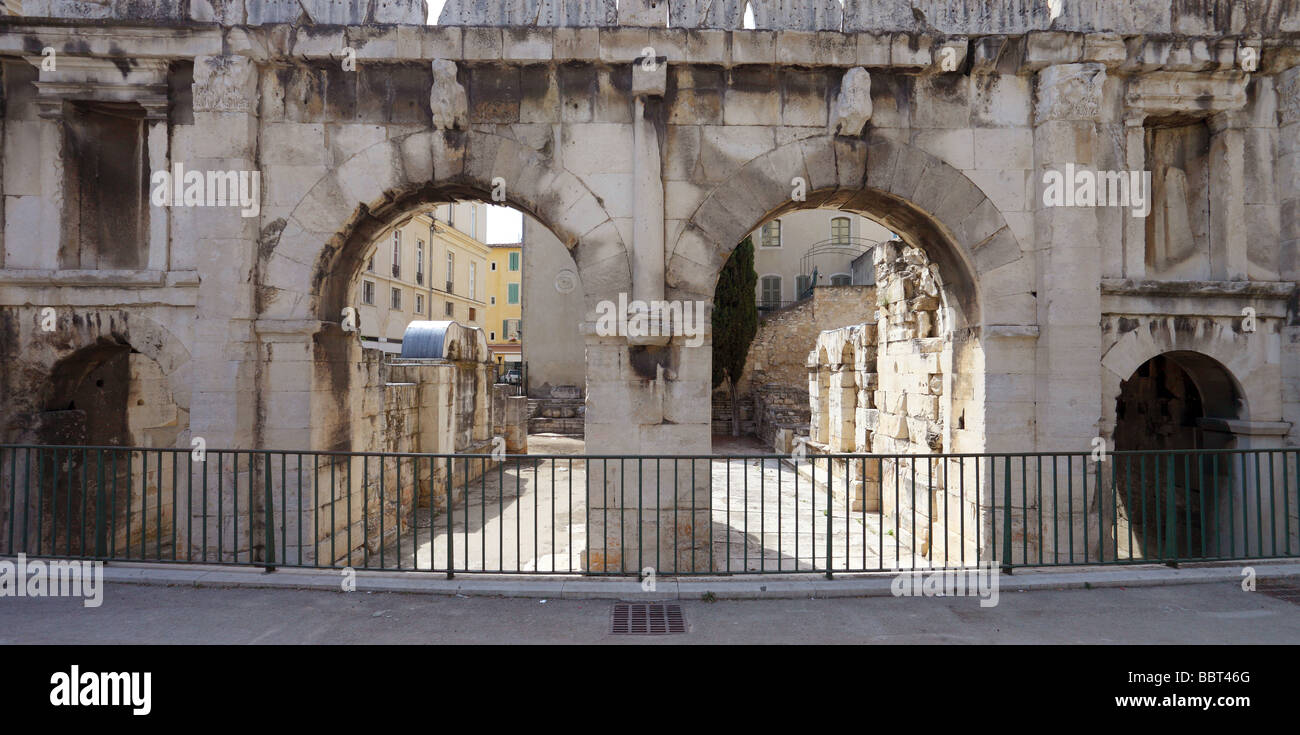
1199	289
1129	17
876	49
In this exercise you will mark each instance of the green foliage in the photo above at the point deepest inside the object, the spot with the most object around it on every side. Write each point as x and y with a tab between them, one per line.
735	314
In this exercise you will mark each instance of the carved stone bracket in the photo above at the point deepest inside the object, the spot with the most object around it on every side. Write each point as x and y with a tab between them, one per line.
1069	92
447	98
225	84
852	104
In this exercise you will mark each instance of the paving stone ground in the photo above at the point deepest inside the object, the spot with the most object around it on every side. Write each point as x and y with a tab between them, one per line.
532	515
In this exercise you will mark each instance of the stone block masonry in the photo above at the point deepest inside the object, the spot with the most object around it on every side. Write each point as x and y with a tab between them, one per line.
1010	325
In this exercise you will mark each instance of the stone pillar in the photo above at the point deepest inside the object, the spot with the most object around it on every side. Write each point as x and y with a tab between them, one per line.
648	249
1227	190
1288	199
1067	111
648	400
1134	228
225	354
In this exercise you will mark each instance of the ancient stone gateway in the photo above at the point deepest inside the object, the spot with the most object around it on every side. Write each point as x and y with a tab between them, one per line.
650	138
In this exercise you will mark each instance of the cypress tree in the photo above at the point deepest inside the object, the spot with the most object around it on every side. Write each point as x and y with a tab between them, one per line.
735	322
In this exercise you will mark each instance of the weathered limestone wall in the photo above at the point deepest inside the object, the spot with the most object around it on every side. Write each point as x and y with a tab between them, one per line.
778	354
939	123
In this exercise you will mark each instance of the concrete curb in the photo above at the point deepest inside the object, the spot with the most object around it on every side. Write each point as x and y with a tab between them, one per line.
694	588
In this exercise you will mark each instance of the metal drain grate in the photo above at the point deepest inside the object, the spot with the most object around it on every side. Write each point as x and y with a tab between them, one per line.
1289	592
646	618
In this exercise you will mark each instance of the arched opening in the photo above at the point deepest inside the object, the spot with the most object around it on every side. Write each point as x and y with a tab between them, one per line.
104	502
1171	499
484	269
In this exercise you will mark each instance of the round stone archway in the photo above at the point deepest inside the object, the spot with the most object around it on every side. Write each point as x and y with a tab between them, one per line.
988	282
307	270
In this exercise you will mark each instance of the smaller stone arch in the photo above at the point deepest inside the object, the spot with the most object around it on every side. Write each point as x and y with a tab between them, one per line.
50	364
1226	362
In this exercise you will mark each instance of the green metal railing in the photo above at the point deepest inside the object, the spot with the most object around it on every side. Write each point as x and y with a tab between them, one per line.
627	515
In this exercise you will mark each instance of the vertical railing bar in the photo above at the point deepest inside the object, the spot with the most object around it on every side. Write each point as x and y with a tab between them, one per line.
1083	476
1024	509
501	515
451	511
1041	538
268	520
365	511
1200	493
961	503
947	516
830	515
1286	505
348	507
552	516
1272	503
220	506
397	491
1187	504
762	515
569	547
315	511
898	531
1069	505
658	513
284	507
1006	509
27	494
482	530
85	500
40	505
189	511
912	548
537	494
334	501
676	520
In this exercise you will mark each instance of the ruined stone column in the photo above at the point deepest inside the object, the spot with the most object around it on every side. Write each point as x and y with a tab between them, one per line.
1067	110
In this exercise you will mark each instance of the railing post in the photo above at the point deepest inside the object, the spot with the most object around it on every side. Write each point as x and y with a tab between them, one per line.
830	515
451	500
1170	552
268	514
1006	514
101	543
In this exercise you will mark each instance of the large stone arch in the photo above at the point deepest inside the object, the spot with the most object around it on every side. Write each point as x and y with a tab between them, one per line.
310	258
988	279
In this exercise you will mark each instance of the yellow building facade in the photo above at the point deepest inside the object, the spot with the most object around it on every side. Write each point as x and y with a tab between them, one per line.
432	266
504	324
